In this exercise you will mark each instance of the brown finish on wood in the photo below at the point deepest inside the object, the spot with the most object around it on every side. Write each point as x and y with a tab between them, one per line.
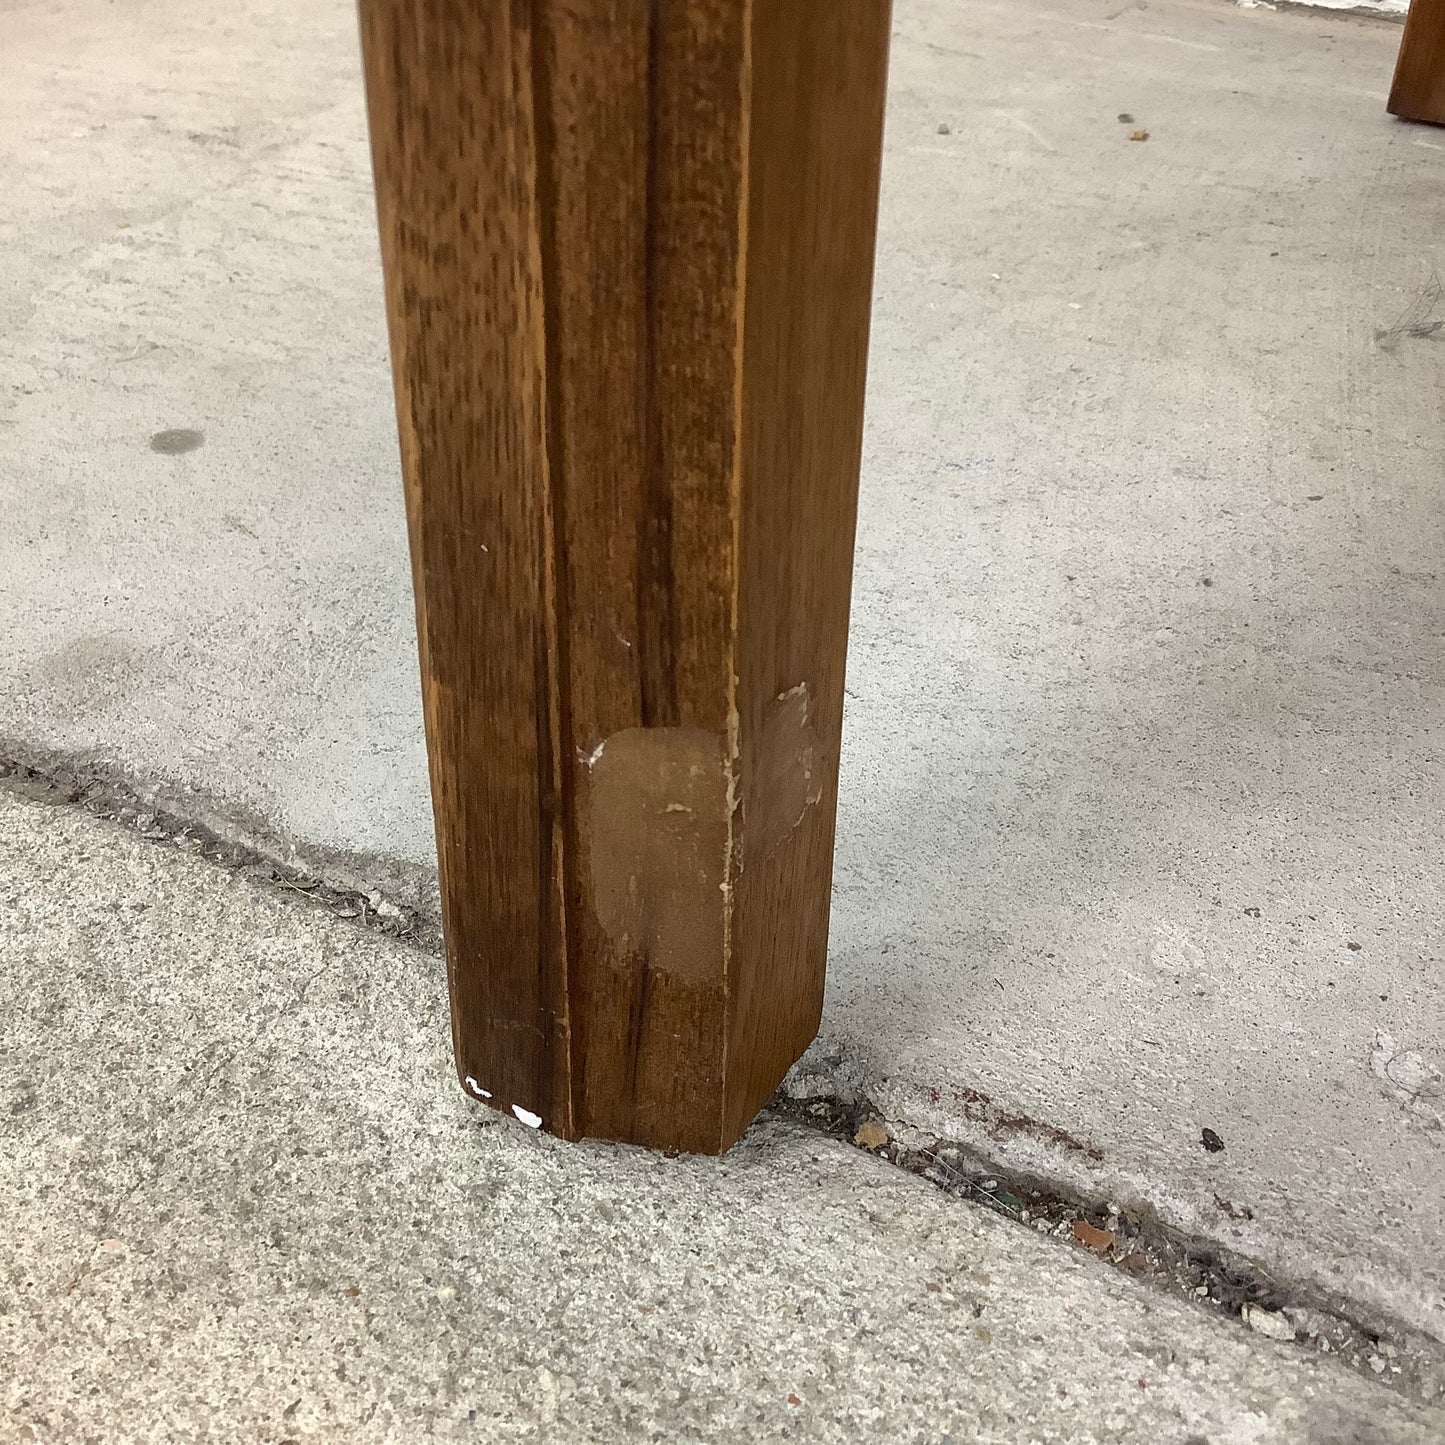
628	252
1418	90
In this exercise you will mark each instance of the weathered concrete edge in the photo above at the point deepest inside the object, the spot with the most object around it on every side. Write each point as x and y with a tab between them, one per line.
834	1088
1063	1180
399	897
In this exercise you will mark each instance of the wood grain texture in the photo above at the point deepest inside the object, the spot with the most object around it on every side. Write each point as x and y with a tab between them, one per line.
628	254
1418	89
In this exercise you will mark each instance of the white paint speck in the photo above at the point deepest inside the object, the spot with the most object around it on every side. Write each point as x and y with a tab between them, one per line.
531	1120
477	1089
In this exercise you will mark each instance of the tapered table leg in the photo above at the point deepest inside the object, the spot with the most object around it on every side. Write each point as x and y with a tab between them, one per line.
628	251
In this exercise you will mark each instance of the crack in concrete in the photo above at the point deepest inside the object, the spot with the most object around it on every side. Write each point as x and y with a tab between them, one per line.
229	842
1140	1242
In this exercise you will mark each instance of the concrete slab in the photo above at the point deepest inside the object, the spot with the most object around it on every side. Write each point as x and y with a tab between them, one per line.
1142	813
1142	808
245	1200
194	249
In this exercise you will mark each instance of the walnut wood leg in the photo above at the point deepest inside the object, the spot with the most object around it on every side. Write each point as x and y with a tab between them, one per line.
628	251
1418	90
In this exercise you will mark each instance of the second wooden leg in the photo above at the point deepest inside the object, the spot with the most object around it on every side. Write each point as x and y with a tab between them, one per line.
1418	90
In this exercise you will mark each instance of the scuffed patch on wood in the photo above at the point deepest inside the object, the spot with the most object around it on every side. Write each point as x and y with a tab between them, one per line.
789	777
656	825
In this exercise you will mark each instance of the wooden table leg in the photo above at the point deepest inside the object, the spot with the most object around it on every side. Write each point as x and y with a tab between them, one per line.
628	250
1418	90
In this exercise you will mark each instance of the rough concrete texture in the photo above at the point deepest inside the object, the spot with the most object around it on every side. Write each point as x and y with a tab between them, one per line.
244	1200
191	245
1142	802
1141	816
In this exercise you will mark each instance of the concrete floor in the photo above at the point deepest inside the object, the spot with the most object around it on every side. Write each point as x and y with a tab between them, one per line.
1141	824
244	1200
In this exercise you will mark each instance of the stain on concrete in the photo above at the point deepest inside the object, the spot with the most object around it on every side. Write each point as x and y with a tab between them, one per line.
1002	1124
87	674
176	441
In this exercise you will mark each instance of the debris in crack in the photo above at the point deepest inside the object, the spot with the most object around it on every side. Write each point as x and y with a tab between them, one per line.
870	1135
1138	1242
121	804
1267	1322
1092	1237
1135	1241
